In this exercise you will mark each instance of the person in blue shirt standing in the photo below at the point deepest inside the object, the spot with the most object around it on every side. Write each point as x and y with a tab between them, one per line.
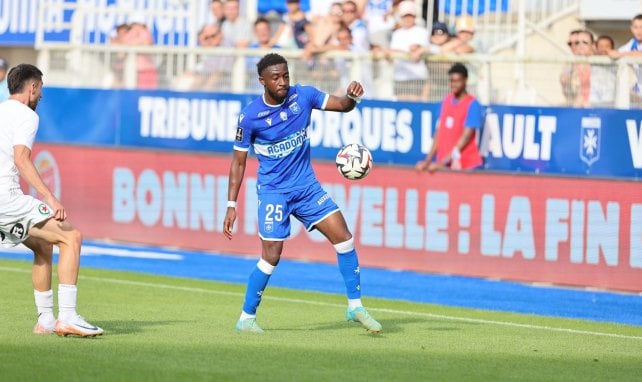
276	126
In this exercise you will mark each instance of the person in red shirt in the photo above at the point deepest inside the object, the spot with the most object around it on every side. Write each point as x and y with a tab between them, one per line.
455	144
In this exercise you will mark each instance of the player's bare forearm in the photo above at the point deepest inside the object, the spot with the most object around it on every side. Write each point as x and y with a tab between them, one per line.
237	171
22	160
348	101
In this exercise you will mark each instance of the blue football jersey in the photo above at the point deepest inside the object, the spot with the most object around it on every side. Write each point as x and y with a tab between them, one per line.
279	137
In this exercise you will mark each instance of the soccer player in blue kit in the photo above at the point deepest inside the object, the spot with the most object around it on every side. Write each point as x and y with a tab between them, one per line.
276	126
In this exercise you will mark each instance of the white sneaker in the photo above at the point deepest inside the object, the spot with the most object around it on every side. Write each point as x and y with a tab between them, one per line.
77	326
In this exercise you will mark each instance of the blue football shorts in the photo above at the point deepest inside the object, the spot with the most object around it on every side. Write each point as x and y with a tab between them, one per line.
310	206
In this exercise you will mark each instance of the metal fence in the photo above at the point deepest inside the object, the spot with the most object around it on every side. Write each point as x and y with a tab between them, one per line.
498	80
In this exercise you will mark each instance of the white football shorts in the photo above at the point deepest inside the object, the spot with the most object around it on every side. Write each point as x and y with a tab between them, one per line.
18	213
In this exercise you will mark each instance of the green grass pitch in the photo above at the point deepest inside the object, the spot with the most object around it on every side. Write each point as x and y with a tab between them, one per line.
174	329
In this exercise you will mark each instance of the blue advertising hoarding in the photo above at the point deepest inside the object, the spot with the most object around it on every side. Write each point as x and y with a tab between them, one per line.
565	141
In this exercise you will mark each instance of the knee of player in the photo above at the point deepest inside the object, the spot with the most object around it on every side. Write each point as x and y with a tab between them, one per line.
44	249
73	236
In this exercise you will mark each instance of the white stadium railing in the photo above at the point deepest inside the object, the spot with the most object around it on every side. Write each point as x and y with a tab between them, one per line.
85	59
497	80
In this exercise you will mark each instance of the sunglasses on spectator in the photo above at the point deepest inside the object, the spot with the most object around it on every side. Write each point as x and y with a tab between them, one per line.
349	10
571	43
213	35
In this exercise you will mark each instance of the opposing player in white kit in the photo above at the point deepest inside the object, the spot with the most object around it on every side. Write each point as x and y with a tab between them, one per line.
37	224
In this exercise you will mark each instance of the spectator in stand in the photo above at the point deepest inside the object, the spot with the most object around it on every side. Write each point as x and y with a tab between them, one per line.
380	20
463	41
139	34
600	79
326	27
595	82
4	88
236	30
569	78
454	145
338	67
295	31
410	75
439	86
633	48
585	46
603	45
212	72
352	19
117	60
262	40
216	12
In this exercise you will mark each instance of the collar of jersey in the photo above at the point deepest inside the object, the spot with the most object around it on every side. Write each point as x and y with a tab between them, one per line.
268	105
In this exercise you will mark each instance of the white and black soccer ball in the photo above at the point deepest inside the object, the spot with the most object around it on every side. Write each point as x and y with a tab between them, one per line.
354	161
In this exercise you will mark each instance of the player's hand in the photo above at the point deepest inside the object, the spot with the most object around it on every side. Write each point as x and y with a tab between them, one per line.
435	166
354	89
228	223
422	165
58	209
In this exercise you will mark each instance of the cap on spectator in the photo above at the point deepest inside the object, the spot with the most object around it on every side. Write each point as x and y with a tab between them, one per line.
465	24
137	18
4	65
439	26
407	7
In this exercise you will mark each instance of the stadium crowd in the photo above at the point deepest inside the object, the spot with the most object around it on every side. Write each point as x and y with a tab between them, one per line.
390	29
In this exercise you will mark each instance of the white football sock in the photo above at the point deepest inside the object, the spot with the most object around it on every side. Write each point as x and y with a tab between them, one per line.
44	304
67	302
246	316
354	303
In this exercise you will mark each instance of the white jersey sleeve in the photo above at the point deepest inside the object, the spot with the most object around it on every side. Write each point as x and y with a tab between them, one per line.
25	132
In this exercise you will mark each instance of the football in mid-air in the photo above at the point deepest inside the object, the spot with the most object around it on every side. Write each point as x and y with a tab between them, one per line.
354	161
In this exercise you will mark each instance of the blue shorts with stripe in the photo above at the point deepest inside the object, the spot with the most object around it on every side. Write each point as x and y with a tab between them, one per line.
310	206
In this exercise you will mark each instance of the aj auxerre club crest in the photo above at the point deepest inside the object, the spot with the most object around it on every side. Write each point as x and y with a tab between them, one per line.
590	140
294	108
269	226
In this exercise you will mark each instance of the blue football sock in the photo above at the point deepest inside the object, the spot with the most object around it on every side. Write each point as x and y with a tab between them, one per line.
349	267
256	285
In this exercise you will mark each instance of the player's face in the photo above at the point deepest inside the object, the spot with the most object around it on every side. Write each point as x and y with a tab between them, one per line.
35	94
276	81
457	83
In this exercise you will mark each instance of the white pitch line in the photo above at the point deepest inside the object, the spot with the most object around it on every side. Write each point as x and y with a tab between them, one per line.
92	250
319	303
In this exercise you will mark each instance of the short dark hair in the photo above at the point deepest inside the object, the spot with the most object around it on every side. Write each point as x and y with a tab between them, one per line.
20	75
261	20
458	68
637	17
269	60
607	38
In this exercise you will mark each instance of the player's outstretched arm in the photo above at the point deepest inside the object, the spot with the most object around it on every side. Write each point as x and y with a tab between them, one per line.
22	160
237	171
348	101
